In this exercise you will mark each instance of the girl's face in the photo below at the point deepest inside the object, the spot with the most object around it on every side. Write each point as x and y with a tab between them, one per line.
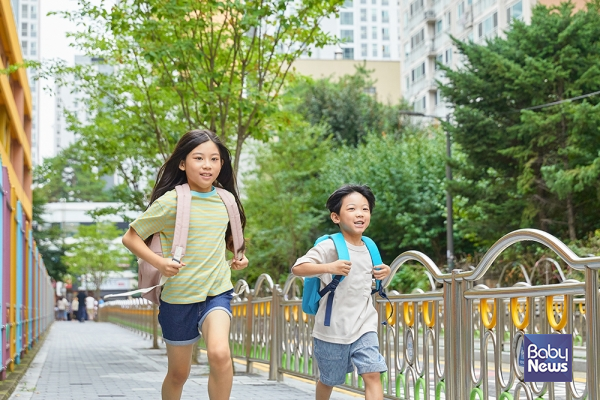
202	166
355	215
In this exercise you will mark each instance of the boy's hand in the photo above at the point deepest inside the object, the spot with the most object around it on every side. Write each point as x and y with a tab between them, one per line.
169	267
340	267
381	271
239	264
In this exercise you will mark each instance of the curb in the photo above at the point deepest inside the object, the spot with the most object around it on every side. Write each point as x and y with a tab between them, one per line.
8	386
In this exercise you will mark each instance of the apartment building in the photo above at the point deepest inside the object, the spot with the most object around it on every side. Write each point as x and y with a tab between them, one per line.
427	26
26	14
369	30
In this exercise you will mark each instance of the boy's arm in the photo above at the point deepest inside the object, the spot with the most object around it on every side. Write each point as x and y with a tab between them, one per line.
338	267
136	245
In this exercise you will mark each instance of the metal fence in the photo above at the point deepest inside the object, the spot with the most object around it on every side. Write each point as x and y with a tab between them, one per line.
459	340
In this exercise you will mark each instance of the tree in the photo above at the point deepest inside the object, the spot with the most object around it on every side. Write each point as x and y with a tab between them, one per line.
345	106
181	65
527	166
94	253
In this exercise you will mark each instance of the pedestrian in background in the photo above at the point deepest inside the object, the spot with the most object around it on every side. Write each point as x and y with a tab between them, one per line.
81	314
198	294
74	308
89	305
62	304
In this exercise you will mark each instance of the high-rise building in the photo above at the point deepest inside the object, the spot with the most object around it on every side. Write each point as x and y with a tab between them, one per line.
427	26
369	30
27	20
69	99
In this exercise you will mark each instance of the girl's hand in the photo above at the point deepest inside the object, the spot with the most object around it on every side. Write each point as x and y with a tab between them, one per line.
381	271
239	264
169	267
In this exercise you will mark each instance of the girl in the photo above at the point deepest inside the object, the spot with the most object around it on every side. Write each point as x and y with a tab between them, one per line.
198	293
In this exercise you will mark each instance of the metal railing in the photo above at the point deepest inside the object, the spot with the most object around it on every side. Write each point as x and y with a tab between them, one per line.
482	332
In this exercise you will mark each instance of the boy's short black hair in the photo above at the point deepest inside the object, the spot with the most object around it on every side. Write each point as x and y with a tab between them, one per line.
334	202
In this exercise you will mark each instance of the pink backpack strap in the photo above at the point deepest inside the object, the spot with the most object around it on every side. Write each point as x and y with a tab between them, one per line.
182	221
234	220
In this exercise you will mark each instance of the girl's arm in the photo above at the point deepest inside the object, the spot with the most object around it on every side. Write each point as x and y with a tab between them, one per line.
136	245
338	267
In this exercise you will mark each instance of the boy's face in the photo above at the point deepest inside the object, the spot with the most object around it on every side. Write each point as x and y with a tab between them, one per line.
355	214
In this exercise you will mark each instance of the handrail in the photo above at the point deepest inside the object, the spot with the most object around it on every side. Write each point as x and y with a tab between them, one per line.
565	288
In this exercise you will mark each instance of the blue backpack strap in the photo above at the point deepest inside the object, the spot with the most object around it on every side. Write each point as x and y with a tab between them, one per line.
375	257
343	254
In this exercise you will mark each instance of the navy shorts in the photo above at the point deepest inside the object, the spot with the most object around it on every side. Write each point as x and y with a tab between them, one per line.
336	360
181	323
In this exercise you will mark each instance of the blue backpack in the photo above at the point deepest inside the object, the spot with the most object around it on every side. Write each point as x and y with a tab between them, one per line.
313	293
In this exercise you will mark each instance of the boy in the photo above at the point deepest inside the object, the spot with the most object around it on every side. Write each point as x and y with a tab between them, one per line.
352	336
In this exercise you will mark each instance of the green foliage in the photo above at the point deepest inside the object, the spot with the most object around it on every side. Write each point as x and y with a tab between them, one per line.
285	200
94	253
345	106
49	240
410	277
181	65
536	168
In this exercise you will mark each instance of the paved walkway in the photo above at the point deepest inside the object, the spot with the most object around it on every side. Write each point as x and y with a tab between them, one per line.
101	360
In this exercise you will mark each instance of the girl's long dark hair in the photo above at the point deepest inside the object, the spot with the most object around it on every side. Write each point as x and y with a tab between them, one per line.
169	175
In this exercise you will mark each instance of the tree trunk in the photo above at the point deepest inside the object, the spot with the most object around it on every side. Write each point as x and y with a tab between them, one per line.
571	217
238	152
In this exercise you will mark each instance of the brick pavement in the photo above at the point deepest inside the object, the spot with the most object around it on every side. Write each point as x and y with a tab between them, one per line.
102	360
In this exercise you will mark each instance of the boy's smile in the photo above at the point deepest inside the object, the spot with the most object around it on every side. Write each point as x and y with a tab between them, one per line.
354	217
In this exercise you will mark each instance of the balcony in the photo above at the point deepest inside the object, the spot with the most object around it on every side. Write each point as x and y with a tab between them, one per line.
429	16
482	7
433	86
422	49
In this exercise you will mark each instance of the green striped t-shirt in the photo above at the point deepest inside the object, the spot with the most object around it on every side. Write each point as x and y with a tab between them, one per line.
206	272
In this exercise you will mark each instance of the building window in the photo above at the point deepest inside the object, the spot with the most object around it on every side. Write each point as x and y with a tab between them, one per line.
385	2
448	56
448	18
385	50
24	47
33	50
363	15
418	73
406	49
374	2
24	26
385	33
374	32
415	7
514	12
363	1
407	82
461	9
348	53
33	12
417	39
348	3
373	15
363	32
385	16
347	18
24	9
421	104
347	36
33	31
374	50
439	26
439	60
488	26
364	50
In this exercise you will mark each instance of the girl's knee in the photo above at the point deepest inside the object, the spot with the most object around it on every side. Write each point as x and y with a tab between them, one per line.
219	357
372	377
179	375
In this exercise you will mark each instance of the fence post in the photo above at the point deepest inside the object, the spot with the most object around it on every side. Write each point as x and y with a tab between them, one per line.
248	336
274	356
593	345
453	309
154	326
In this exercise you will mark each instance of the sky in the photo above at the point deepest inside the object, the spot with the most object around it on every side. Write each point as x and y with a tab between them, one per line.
53	44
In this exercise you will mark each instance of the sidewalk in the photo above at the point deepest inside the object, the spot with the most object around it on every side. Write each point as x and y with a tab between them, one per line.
101	360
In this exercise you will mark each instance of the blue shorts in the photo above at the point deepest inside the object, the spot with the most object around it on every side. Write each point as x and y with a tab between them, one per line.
336	360
181	323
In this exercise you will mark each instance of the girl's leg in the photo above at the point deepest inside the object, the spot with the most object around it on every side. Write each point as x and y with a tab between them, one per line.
215	330
373	388
323	391
179	365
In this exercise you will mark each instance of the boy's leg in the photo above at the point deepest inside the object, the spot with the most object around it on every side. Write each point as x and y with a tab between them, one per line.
323	391
215	330
373	388
179	365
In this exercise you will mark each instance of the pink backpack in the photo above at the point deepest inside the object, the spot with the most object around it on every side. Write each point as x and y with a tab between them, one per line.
150	280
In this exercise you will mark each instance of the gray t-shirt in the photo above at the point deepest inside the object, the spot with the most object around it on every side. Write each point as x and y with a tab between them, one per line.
353	313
